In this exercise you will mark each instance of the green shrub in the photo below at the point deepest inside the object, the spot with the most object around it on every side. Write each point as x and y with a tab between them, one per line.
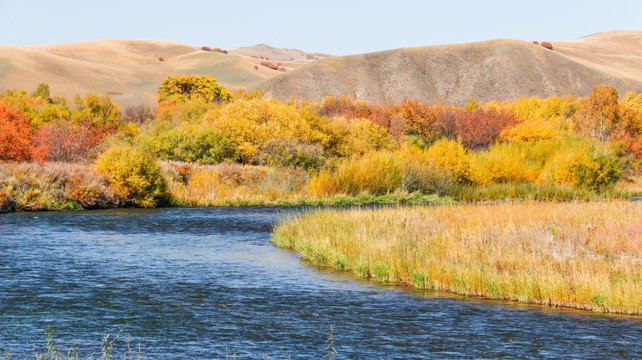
290	152
192	143
135	174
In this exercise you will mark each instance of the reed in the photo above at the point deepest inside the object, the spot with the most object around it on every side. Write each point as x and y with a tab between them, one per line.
583	255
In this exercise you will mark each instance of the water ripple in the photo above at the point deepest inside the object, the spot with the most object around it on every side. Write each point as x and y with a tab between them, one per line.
197	283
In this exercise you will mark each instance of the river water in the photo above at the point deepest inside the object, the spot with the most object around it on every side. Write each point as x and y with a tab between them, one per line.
207	283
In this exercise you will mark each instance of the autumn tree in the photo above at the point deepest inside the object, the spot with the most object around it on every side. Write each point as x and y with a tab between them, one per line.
99	110
42	91
181	88
15	135
598	116
418	118
631	122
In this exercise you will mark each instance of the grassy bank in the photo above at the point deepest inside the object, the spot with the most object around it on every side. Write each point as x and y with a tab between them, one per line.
67	186
577	255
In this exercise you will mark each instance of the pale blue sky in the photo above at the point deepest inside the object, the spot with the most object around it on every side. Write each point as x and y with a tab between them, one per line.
331	26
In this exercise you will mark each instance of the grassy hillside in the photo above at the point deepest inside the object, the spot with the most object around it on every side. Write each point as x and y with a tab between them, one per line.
128	70
490	70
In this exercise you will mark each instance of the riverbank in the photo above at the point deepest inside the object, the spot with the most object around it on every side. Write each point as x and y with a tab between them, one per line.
583	255
55	186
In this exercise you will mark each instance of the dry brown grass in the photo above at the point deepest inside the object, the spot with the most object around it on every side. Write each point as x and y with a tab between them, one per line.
578	255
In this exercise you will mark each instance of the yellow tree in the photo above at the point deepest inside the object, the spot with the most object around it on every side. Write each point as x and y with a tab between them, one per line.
598	116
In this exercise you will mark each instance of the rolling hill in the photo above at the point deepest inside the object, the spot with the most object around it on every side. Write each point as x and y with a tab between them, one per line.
130	70
490	70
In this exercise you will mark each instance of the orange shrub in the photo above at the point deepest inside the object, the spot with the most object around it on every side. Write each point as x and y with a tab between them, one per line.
270	65
15	135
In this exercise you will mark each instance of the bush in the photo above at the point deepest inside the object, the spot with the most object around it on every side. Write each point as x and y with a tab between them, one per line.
98	110
375	173
504	163
357	137
192	143
450	156
138	114
15	135
250	123
135	174
270	65
547	45
181	88
290	152
528	131
475	129
68	141
594	169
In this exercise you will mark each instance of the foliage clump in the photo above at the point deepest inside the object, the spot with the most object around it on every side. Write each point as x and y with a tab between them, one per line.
134	174
15	136
181	88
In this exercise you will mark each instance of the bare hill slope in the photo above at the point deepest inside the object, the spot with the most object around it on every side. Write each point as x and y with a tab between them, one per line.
496	69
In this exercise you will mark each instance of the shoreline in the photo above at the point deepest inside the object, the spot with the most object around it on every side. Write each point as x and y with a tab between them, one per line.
512	251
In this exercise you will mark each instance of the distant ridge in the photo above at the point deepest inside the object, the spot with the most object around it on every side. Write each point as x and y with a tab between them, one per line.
489	70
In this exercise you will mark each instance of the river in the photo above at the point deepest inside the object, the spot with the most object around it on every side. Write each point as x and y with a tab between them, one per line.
205	283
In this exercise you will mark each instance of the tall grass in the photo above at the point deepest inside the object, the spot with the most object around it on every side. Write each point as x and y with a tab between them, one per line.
229	184
577	255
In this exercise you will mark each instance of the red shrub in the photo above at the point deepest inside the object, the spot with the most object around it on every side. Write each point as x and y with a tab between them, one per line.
547	45
475	129
256	67
536	42
161	59
68	141
15	135
270	65
350	108
206	48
